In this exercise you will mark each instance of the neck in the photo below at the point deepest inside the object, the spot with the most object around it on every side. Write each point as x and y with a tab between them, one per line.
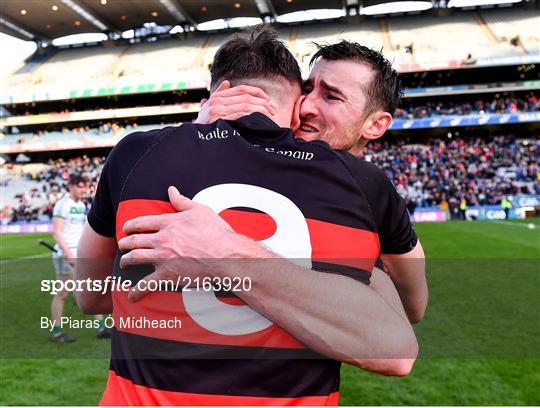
356	149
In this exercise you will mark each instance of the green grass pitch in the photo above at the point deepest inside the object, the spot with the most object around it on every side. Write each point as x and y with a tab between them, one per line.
479	339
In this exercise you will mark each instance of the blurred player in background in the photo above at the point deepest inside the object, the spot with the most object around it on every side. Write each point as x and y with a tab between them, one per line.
69	215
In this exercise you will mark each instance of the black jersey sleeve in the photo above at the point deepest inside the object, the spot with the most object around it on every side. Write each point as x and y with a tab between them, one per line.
101	215
123	157
396	234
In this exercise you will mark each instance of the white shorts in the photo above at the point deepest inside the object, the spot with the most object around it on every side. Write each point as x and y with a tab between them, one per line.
62	266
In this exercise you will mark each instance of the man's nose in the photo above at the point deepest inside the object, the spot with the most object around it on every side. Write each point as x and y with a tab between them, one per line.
308	108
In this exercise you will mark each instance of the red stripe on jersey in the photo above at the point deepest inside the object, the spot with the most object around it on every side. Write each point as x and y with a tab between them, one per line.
122	392
338	244
127	210
331	243
168	305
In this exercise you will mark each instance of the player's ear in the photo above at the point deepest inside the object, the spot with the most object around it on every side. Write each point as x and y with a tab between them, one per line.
295	119
376	124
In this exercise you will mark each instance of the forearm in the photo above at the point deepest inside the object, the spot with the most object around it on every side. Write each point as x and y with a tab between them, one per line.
414	300
95	262
93	301
407	272
331	314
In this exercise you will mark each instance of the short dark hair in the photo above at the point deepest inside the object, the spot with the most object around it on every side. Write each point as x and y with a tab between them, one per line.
385	89
259	54
75	179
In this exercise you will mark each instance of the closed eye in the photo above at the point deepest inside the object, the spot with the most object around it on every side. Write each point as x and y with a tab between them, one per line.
332	97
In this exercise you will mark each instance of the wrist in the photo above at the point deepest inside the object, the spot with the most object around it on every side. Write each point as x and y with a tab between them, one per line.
241	251
247	248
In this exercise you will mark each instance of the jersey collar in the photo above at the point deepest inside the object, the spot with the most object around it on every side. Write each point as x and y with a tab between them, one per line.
257	121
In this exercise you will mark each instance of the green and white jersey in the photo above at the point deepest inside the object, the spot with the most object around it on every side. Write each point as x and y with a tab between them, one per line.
74	215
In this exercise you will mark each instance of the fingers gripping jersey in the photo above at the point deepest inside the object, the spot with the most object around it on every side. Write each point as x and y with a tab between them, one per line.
303	200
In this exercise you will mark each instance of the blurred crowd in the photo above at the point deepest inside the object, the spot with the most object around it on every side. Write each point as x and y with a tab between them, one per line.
433	172
443	172
498	104
50	186
108	128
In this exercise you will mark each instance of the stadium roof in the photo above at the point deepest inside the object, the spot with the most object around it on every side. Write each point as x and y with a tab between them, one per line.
49	19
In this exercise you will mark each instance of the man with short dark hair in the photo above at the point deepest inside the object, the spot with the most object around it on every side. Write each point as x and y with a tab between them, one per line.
304	201
237	61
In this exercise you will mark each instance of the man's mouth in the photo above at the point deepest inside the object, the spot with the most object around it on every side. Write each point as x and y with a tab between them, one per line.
307	128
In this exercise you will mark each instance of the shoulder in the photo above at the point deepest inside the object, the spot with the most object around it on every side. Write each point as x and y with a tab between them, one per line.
60	204
367	174
62	201
138	143
132	148
141	140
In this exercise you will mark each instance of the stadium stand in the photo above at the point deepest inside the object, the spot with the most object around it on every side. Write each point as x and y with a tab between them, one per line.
65	69
30	192
518	24
410	109
481	169
89	97
425	171
433	38
498	104
367	33
15	139
168	59
404	40
35	61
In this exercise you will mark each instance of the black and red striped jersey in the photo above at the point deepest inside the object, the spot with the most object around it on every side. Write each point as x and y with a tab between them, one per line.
303	200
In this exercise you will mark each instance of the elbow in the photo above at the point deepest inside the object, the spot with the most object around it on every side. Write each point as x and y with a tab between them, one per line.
417	316
401	367
404	366
392	367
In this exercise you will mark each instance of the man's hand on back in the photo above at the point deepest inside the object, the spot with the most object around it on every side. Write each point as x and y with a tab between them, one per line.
233	103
